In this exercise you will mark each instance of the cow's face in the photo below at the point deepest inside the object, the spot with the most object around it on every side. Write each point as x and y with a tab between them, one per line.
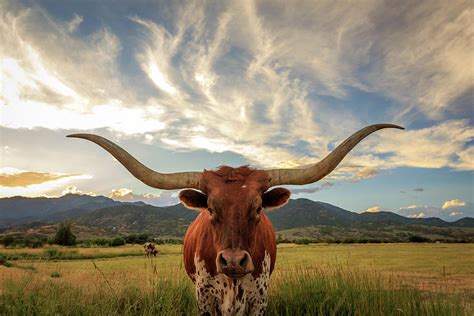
234	209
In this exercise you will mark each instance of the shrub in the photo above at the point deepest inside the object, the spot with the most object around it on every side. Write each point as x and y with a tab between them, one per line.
53	253
303	241
137	239
64	235
55	274
416	238
8	240
119	241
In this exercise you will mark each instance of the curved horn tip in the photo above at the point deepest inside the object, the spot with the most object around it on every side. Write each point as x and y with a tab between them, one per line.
80	135
389	126
74	135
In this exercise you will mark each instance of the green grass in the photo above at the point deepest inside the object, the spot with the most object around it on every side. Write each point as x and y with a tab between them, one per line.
53	253
308	280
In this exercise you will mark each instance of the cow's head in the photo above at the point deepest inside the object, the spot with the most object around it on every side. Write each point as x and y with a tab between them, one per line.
232	199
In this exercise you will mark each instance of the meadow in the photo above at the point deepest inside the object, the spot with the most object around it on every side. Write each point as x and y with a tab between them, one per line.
324	279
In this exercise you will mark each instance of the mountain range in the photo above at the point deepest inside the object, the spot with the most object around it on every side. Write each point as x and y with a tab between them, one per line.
300	218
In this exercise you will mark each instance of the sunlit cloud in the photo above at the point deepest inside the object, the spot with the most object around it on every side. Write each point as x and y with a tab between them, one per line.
30	183
164	198
374	209
159	79
113	115
439	146
453	203
75	190
26	178
279	87
455	213
445	212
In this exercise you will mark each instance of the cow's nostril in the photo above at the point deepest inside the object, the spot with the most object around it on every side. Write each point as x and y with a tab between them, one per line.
222	261
243	261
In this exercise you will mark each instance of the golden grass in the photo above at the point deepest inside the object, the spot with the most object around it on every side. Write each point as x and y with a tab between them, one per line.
446	268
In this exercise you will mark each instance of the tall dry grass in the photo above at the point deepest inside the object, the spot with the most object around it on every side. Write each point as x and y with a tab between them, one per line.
308	280
296	292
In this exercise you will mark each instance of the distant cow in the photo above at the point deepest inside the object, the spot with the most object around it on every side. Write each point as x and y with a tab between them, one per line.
230	248
150	249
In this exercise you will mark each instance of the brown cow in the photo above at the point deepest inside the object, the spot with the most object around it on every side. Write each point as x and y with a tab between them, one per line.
150	249
230	248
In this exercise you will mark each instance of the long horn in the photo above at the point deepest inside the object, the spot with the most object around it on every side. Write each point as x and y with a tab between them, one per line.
329	163
164	181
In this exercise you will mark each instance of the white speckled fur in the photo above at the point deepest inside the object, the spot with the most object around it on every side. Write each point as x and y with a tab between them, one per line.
219	295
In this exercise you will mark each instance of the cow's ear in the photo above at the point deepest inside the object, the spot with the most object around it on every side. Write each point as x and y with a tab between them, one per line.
275	198
193	199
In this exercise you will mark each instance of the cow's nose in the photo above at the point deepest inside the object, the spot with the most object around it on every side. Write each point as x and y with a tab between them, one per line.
234	263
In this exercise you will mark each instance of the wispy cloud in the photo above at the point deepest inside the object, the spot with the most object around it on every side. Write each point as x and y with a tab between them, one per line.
278	86
74	23
309	190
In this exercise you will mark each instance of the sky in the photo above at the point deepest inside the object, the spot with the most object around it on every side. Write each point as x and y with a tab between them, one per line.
192	85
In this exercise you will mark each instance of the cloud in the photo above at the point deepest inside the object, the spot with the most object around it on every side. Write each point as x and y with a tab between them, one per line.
418	215
445	213
32	183
26	178
442	145
418	189
75	190
272	82
164	198
65	81
410	207
374	209
309	190
453	203
74	23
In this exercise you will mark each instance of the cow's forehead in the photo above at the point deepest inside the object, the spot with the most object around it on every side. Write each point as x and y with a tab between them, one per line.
236	195
228	182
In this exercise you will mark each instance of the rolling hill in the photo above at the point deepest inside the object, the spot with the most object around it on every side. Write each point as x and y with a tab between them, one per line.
299	218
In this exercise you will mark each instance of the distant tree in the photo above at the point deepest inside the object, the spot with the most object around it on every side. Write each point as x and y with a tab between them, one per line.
119	241
416	238
8	240
64	235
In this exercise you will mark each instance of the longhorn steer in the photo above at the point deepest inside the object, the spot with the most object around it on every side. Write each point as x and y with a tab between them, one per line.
230	248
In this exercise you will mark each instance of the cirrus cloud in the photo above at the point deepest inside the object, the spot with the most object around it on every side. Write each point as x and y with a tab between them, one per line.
276	83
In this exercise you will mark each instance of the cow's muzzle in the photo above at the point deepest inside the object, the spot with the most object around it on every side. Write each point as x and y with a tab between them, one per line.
234	263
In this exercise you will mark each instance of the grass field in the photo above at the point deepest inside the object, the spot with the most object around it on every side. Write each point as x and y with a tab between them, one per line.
366	279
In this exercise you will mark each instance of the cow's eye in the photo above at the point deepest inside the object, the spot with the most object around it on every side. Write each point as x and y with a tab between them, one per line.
259	210
210	210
